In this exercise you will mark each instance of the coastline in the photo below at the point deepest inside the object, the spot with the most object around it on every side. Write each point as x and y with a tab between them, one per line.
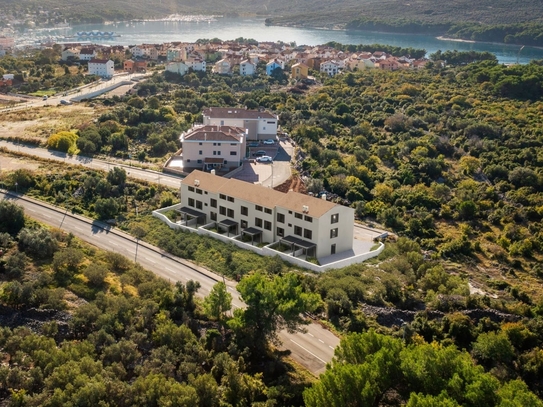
443	38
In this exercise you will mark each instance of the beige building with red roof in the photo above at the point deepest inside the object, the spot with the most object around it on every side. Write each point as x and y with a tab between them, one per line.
260	125
213	147
305	225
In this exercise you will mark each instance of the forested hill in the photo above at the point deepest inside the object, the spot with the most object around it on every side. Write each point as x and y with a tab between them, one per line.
318	12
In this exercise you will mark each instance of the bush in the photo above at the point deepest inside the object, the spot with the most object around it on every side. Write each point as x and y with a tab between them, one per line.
64	141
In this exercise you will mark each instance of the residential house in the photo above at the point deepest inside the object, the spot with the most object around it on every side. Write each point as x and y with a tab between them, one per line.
247	68
178	67
309	226
389	64
196	64
223	67
210	147
176	54
330	67
260	125
101	67
69	54
419	63
86	54
7	42
273	65
138	51
299	71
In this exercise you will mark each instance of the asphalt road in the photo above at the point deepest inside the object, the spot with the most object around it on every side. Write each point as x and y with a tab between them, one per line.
312	349
133	172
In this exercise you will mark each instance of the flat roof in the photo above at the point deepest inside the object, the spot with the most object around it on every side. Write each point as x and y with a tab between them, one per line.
215	133
252	231
228	222
296	241
236	113
191	212
258	194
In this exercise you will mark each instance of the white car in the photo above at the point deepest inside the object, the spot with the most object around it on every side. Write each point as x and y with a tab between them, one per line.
269	141
264	159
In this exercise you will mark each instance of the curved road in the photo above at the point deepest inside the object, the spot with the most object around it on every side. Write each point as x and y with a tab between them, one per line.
312	349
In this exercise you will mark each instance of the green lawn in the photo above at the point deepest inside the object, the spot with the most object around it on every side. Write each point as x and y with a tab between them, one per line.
48	92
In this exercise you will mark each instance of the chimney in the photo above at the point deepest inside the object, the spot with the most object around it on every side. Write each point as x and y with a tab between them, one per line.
323	196
212	172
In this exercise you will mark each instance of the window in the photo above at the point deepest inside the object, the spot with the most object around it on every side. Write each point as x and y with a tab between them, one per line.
213	203
308	219
308	234
191	189
198	191
213	215
219	145
280	232
243	224
267	225
334	218
298	215
233	153
199	161
244	211
230	213
214	144
200	152
191	202
268	211
198	204
258	222
222	196
298	230
219	152
222	210
280	218
230	199
214	153
233	144
333	249
188	161
200	143
258	208
333	233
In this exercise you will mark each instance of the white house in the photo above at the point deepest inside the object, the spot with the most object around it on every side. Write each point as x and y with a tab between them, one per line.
86	54
178	67
223	67
260	125
138	51
330	67
101	67
197	64
247	68
70	53
213	147
305	225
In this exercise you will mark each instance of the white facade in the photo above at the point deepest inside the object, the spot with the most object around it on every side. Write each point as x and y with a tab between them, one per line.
222	67
309	226
87	54
102	68
70	53
330	67
177	67
260	125
196	64
213	147
247	68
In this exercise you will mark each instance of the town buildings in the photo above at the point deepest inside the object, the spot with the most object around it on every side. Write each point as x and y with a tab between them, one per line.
215	147
260	125
307	226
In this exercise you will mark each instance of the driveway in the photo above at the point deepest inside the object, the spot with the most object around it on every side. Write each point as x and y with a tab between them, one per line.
268	174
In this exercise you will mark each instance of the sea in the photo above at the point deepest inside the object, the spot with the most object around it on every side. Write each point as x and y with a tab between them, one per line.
225	28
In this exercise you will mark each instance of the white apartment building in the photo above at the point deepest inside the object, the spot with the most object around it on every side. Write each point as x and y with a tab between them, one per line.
177	67
330	67
213	147
307	225
246	68
70	53
196	64
260	125
87	54
101	67
223	67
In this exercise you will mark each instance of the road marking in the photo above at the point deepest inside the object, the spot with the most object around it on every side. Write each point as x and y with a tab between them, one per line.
77	227
234	305
32	210
113	243
169	269
321	341
311	353
311	335
148	259
331	347
47	216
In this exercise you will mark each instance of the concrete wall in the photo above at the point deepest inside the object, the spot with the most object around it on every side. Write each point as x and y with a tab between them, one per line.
100	91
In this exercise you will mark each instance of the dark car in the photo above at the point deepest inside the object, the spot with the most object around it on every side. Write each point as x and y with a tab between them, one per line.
253	144
259	153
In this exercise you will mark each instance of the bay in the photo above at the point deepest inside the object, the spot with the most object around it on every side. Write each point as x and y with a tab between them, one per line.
157	32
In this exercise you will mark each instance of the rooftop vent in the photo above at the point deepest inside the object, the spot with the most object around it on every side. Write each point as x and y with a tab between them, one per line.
305	208
197	182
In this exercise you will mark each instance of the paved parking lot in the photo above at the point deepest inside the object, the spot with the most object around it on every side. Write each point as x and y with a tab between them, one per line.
268	174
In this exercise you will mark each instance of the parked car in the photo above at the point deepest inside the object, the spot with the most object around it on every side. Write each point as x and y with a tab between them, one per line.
253	144
269	141
45	97
264	159
65	102
259	153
